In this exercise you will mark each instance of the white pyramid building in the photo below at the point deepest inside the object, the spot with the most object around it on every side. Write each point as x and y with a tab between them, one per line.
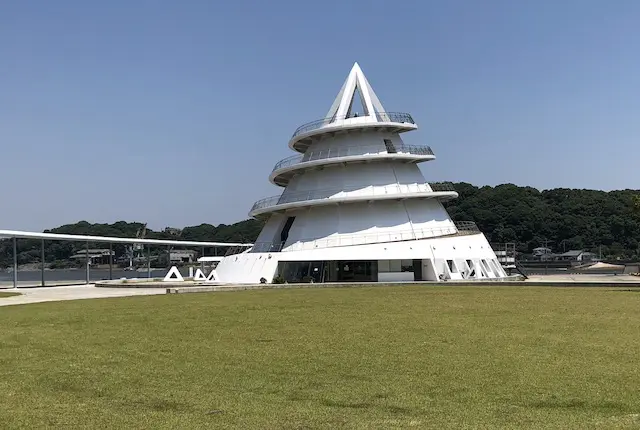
356	207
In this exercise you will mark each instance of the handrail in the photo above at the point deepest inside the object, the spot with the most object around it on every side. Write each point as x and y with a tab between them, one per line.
371	190
400	117
322	154
459	228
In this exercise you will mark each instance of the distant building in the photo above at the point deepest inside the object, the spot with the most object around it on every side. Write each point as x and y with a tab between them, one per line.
576	255
96	256
183	256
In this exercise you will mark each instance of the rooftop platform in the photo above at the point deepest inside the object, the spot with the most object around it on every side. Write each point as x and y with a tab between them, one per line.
442	191
392	122
455	229
285	169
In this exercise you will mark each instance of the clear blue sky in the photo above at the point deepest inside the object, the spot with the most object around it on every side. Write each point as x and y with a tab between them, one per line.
174	112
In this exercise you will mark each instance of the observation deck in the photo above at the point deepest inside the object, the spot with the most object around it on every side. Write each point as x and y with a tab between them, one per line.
461	228
298	199
392	122
285	169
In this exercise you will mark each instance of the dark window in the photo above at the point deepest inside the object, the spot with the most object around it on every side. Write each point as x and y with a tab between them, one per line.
328	271
389	145
284	234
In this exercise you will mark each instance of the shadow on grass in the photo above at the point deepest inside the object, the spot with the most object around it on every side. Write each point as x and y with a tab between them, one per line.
163	405
367	405
575	404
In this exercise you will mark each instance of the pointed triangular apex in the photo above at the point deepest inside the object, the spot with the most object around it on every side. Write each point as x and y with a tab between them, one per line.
199	276
173	275
356	82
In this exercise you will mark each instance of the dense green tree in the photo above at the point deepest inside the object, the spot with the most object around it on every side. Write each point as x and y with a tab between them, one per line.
562	218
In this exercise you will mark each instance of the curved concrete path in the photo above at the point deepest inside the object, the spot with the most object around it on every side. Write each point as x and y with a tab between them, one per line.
74	292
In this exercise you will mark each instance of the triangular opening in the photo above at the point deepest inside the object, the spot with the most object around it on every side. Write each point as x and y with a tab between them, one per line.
357	106
356	98
174	274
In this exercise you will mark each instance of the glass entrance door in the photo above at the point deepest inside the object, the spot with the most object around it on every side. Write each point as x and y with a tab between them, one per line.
316	271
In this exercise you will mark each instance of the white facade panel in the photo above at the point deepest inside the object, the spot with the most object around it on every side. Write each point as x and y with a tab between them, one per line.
436	254
395	277
271	230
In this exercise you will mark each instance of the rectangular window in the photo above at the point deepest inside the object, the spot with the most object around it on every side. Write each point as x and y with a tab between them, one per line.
395	266
406	265
383	266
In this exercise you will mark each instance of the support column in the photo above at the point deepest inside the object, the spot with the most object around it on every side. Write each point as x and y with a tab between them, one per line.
148	261
15	262
110	261
202	262
86	251
42	262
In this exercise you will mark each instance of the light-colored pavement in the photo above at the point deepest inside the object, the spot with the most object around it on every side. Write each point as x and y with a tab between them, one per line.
75	292
31	284
569	278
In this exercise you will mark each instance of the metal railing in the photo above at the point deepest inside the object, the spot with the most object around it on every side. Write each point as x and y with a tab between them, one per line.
236	250
467	227
458	228
358	191
400	117
322	154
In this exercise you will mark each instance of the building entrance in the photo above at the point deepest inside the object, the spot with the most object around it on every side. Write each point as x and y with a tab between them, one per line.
328	271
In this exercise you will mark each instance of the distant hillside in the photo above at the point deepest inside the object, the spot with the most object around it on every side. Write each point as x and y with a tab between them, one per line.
561	218
243	231
566	218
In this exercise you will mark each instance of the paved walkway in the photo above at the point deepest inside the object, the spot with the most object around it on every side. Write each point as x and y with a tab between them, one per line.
75	292
569	278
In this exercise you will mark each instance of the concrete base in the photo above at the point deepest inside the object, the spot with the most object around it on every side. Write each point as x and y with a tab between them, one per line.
534	281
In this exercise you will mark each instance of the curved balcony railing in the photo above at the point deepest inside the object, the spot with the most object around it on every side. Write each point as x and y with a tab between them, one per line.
322	154
336	193
460	228
400	117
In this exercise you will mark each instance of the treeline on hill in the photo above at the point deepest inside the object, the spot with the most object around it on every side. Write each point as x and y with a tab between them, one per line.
563	219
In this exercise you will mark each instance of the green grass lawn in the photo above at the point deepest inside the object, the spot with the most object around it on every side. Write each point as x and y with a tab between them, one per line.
8	294
381	357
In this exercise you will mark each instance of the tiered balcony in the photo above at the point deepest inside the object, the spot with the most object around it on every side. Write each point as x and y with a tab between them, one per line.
290	200
459	229
393	122
285	169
